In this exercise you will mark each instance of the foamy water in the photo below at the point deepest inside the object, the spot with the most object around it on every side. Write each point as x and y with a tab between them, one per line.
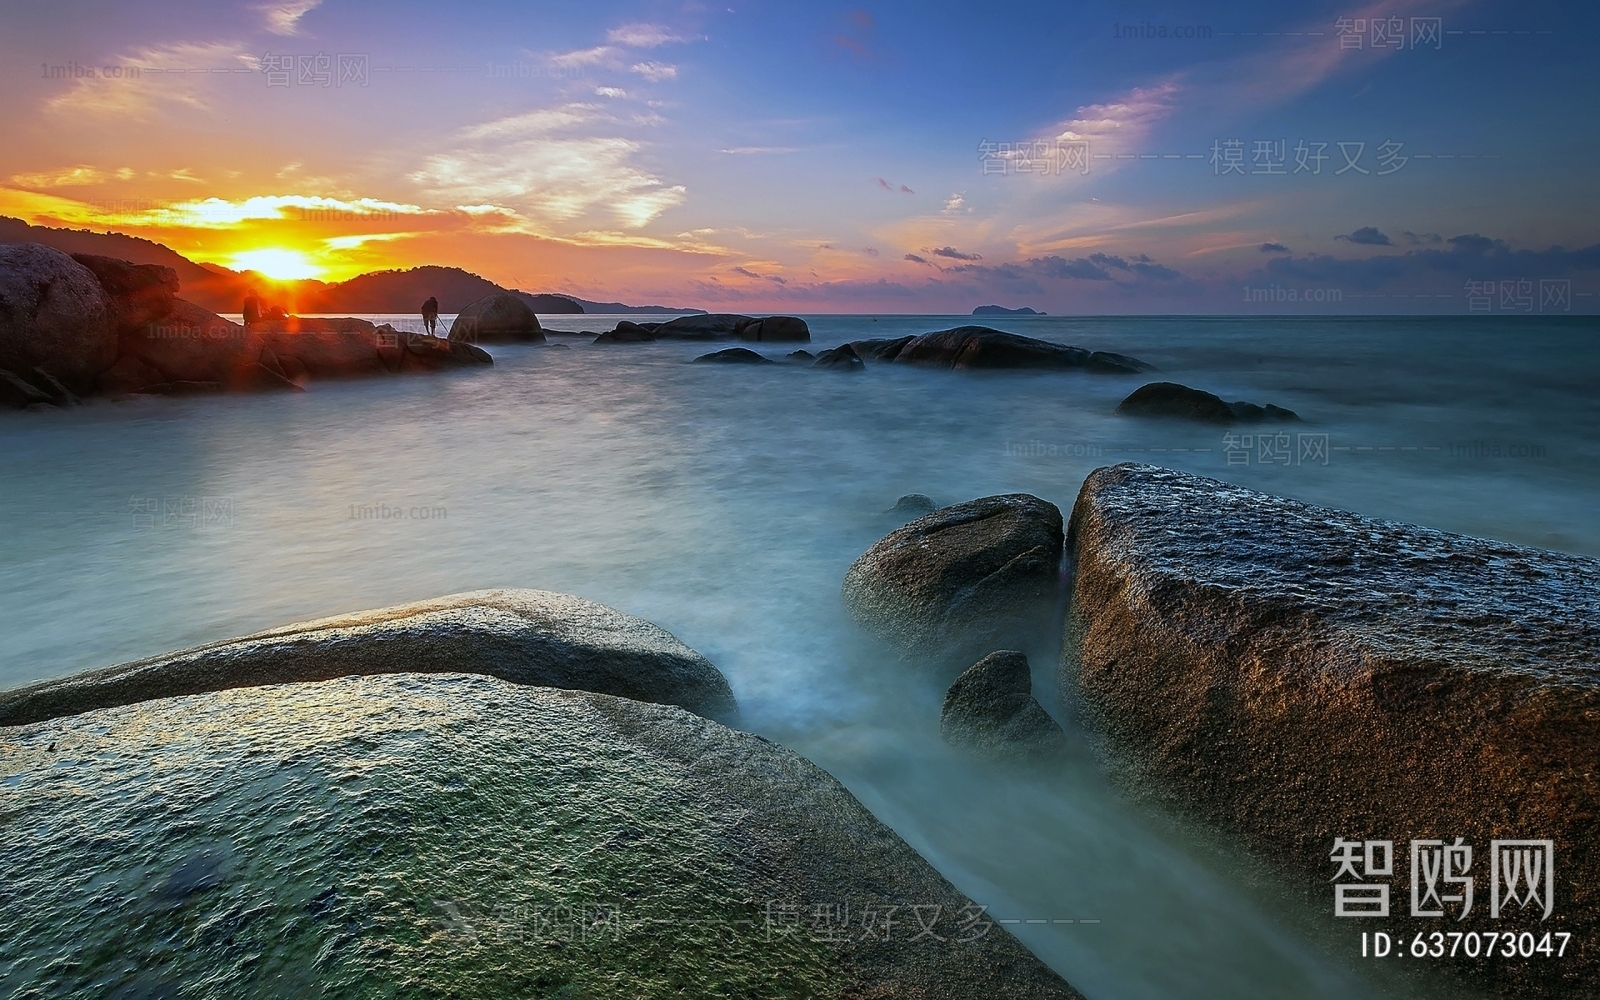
725	503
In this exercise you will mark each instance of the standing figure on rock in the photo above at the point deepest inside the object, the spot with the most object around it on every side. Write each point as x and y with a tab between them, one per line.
252	308
430	314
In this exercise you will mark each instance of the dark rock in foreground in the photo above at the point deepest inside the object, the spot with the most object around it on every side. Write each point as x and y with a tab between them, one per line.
499	317
980	575
734	356
1169	399
800	357
842	358
53	316
524	636
464	837
1300	674
973	347
990	709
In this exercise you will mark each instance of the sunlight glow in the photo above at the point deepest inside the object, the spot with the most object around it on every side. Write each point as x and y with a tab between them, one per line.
277	264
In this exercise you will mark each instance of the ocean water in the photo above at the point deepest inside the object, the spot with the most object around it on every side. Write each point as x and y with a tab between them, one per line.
726	502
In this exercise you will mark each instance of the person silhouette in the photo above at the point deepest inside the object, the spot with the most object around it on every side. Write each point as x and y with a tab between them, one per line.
251	308
430	314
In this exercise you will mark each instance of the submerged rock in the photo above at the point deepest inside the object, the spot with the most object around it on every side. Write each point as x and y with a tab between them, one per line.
842	359
913	505
1169	399
991	709
977	576
525	636
628	332
500	317
799	357
734	356
465	837
705	326
1300	674
970	347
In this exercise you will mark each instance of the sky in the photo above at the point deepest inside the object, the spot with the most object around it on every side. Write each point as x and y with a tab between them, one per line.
1101	158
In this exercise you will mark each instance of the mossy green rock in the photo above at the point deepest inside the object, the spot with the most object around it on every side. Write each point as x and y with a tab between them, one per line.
455	835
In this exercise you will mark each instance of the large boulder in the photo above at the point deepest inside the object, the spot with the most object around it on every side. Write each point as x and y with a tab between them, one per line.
190	348
138	293
990	709
461	836
780	329
980	575
53	316
1303	676
973	347
500	317
704	326
1169	399
524	636
880	349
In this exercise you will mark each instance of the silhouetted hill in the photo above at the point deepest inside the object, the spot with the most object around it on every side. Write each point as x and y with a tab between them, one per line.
221	290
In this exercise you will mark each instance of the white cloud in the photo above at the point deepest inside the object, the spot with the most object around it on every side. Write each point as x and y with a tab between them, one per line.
610	92
644	36
1123	121
956	204
283	16
655	72
535	165
597	56
758	150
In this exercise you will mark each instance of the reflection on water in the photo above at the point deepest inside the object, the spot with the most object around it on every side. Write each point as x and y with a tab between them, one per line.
725	504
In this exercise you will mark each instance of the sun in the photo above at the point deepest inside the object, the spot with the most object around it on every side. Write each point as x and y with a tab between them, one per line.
279	265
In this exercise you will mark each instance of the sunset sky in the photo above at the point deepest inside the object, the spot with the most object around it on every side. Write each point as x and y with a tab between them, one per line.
803	158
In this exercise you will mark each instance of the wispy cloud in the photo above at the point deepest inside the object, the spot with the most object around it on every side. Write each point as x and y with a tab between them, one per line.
645	36
655	72
79	176
283	16
542	165
137	97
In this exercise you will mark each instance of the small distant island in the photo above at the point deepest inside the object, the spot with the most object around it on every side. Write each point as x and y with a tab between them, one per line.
1003	311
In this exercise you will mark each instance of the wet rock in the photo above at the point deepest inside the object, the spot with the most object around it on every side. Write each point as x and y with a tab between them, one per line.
976	347
467	837
734	356
799	357
842	359
961	581
525	636
18	392
881	349
1105	361
706	326
778	329
990	709
1169	399
53	315
1299	674
913	505
497	318
628	332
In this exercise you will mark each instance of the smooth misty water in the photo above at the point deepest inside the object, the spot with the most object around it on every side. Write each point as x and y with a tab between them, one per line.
725	504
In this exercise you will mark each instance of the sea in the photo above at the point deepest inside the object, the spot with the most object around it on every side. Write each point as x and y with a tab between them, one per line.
725	502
